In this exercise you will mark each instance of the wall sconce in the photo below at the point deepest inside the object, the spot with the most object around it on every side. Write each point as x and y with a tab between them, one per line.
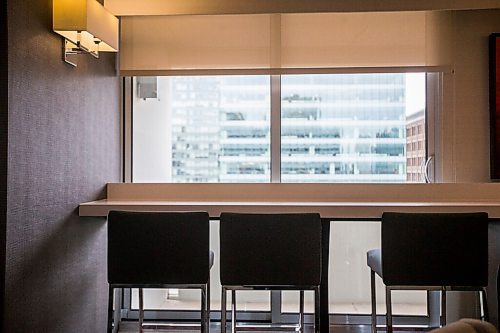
86	27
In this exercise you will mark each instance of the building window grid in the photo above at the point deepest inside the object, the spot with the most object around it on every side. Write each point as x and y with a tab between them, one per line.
417	154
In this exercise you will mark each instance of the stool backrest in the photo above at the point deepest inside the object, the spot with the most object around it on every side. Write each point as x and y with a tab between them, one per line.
158	247
270	249
435	249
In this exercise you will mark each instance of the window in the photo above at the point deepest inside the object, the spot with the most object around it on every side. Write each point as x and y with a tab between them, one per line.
332	128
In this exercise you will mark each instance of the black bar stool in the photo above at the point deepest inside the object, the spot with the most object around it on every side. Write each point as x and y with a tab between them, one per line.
431	251
270	252
159	250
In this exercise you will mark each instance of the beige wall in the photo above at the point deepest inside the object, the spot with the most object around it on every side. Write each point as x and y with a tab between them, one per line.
465	117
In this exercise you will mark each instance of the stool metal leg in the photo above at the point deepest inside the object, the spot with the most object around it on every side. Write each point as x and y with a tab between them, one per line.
484	303
223	311
301	311
317	301
389	309
443	307
374	301
204	309
110	309
141	310
233	311
208	303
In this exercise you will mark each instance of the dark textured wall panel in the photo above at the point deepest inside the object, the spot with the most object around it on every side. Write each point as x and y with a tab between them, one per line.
63	147
494	261
3	153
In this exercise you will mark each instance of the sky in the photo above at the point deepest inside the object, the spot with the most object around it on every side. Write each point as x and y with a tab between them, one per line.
415	92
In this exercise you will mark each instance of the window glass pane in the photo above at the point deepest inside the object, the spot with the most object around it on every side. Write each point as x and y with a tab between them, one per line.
353	127
206	129
349	275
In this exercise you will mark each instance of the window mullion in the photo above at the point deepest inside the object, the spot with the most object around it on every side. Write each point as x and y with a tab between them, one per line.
126	131
275	128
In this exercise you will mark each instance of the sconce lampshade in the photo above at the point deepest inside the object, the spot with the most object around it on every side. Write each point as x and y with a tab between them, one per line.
85	22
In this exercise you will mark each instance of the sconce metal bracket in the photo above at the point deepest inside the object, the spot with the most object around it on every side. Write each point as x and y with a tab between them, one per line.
72	50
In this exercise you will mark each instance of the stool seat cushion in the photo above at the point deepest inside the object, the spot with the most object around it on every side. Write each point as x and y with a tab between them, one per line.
158	248
268	249
374	260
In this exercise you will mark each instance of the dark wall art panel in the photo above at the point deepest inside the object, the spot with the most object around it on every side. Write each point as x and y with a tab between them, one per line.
495	105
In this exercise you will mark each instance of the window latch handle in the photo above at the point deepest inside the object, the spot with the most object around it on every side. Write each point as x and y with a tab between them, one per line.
425	169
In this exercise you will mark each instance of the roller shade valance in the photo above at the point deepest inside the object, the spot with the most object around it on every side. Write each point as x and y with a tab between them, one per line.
280	42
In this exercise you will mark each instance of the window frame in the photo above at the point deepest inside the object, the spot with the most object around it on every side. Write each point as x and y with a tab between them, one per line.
434	91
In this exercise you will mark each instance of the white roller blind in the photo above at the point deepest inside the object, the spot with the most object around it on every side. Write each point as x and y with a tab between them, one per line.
353	40
279	42
195	42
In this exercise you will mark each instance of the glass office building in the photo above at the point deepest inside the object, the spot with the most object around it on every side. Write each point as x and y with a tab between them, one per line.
334	128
